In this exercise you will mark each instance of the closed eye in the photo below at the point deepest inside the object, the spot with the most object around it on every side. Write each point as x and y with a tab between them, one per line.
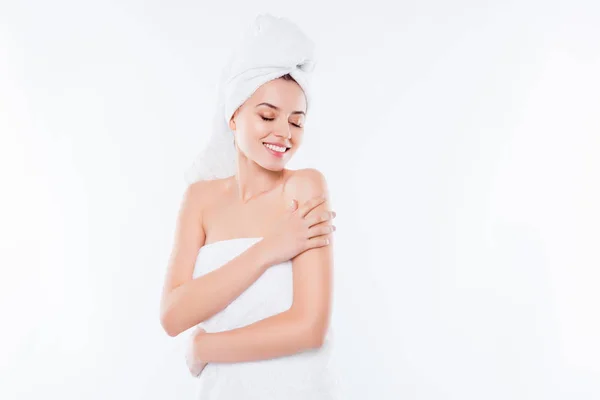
271	119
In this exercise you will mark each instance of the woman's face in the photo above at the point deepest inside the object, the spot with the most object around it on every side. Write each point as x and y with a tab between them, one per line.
275	114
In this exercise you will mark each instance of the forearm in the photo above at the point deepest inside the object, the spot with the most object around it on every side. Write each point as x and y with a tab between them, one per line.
203	297
283	334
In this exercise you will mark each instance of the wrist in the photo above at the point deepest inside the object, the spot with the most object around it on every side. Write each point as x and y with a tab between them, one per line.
260	255
199	344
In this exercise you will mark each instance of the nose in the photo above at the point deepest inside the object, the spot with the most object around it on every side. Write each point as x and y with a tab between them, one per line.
284	132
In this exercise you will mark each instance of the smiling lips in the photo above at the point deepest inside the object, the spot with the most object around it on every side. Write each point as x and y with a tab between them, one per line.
277	151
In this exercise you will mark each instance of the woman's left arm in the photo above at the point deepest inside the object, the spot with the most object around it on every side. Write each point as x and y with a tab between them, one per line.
304	325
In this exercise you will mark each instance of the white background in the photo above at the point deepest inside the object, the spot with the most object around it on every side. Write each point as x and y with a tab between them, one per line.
460	141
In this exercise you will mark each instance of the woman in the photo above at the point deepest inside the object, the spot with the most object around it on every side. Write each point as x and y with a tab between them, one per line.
251	266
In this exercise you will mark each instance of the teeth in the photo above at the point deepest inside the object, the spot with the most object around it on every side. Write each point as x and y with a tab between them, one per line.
276	148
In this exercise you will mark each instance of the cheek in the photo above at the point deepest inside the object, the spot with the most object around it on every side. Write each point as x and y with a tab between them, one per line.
252	130
297	137
249	138
256	128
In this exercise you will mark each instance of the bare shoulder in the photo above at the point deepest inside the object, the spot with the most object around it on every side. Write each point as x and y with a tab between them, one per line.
197	190
304	184
193	197
203	193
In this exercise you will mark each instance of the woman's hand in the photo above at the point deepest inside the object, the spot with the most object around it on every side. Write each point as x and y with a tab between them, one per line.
297	232
194	364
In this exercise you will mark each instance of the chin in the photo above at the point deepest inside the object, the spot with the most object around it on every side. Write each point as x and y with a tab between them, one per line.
274	168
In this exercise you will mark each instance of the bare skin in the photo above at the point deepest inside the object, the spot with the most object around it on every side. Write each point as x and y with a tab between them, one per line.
255	203
226	216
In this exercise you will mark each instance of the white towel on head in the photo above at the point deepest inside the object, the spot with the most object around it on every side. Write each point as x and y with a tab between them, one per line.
269	48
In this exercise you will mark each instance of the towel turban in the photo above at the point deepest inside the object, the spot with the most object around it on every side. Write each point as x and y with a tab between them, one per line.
269	48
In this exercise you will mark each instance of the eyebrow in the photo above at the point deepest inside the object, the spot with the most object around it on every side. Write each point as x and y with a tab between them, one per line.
277	108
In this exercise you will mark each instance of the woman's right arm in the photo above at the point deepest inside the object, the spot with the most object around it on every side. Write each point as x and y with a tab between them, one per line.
186	302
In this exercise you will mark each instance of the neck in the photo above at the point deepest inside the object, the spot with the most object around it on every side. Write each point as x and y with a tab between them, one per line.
252	180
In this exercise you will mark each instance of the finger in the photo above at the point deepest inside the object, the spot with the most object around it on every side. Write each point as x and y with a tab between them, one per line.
310	204
319	241
197	369
321	229
320	218
293	205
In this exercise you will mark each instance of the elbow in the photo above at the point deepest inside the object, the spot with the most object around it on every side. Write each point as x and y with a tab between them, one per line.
313	329
168	324
170	330
170	317
317	332
318	340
